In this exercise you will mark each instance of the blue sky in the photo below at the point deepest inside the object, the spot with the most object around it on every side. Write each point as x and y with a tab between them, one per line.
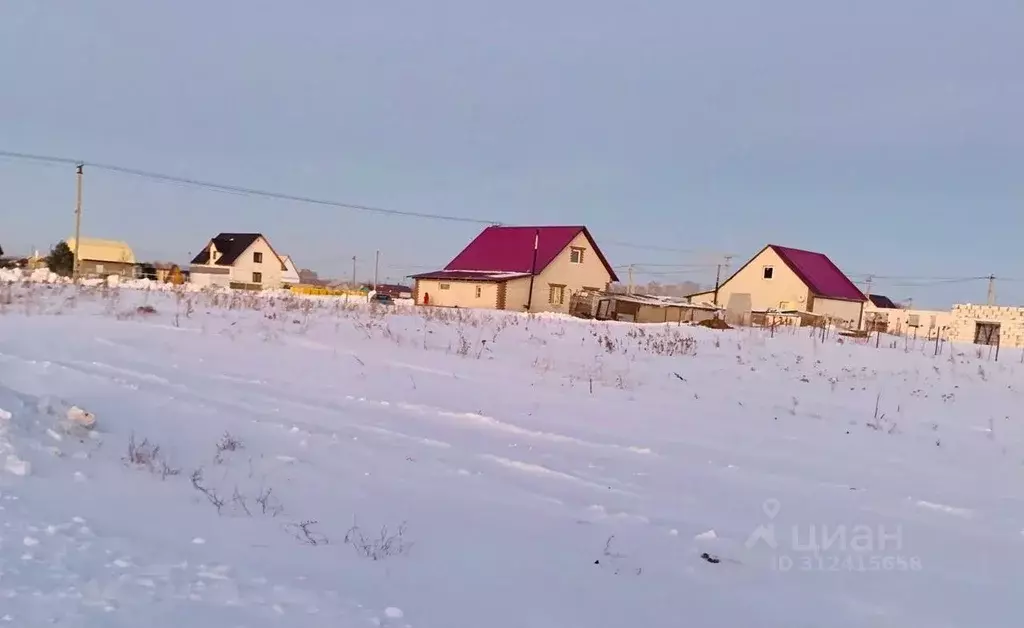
888	135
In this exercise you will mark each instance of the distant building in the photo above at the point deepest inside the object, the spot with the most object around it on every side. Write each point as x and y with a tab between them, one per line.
395	291
785	279
534	269
309	277
237	260
102	258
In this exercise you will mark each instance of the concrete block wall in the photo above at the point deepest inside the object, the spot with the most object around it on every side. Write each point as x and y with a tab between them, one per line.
1010	319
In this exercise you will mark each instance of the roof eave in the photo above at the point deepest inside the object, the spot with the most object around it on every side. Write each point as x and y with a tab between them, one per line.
830	298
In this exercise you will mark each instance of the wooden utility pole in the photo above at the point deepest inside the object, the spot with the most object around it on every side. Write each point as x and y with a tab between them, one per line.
78	221
353	272
718	275
991	289
868	290
533	268
718	278
629	288
376	269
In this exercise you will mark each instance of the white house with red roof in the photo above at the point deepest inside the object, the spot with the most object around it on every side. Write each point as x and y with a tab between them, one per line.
525	269
787	279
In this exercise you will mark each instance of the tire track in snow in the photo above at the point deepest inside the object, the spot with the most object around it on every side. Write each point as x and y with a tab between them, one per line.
481	421
257	412
542	481
96	370
491	423
542	471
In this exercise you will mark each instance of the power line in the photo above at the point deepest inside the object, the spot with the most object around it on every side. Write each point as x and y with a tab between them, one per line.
912	277
667	249
927	284
40	158
245	191
640	264
235	189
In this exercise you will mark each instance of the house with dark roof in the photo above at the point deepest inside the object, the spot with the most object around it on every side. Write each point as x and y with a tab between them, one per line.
525	269
781	278
882	302
238	260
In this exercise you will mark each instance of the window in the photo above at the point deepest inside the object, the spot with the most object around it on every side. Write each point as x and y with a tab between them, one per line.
257	257
914	320
986	333
257	277
768	271
479	292
444	286
556	294
575	255
99	268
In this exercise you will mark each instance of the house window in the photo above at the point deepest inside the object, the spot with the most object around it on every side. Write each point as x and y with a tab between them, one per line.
257	277
914	320
556	294
479	292
99	268
767	272
575	255
444	286
257	257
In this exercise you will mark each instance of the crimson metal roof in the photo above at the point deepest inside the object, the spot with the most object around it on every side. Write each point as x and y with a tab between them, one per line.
822	277
510	250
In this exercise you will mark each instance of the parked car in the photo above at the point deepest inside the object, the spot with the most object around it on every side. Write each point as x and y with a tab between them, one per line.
382	299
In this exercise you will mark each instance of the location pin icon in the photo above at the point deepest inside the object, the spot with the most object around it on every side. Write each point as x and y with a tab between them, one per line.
771	507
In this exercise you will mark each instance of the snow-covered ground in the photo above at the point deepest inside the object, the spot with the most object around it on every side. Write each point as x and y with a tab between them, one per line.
301	462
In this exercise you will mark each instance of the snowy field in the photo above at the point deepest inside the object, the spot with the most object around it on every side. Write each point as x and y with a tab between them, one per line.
304	463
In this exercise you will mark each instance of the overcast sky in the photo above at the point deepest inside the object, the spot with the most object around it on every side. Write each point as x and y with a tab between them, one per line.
889	135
